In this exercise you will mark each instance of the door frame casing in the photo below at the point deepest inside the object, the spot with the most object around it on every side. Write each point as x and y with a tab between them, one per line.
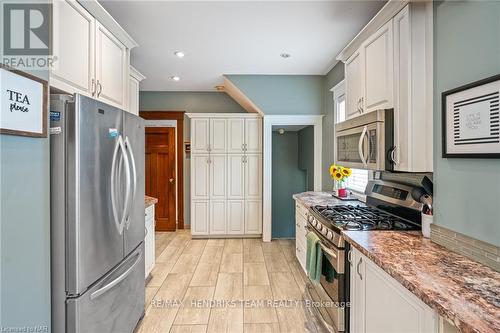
179	117
274	120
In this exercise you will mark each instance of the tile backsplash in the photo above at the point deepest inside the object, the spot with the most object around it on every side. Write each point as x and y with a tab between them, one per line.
474	249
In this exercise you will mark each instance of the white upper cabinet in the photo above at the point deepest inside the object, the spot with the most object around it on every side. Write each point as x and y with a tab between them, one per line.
92	57
353	85
378	70
236	135
133	90
413	107
112	68
218	135
73	48
200	135
253	135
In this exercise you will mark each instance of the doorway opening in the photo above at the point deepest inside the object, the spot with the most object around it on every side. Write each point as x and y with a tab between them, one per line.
293	172
164	166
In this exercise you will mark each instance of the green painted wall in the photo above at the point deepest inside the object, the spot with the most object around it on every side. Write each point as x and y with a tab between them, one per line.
306	155
188	101
466	49
288	179
282	94
24	230
330	80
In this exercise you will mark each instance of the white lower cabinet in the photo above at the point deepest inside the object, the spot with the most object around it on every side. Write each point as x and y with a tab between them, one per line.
149	240
200	214
236	217
218	217
300	234
253	216
381	304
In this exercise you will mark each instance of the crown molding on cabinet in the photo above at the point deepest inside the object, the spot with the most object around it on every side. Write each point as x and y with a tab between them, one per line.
387	12
136	74
105	18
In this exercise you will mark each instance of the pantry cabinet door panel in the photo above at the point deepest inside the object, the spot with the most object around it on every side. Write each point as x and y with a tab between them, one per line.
200	176
218	176
378	70
236	135
200	135
253	135
235	217
112	68
218	134
253	176
236	176
200	214
73	48
253	217
218	217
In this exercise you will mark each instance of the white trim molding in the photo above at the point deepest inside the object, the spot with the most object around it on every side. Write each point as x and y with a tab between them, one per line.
269	122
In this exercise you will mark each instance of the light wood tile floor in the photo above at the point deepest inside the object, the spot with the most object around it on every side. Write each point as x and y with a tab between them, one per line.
223	286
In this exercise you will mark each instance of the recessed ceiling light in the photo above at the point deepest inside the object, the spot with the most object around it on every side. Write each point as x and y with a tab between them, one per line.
179	54
285	55
175	78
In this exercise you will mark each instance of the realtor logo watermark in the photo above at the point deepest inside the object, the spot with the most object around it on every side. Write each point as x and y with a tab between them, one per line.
27	35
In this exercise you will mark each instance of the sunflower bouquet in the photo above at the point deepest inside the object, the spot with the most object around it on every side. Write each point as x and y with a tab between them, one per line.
340	174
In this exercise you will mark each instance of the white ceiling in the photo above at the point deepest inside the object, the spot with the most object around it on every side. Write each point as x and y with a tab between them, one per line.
236	37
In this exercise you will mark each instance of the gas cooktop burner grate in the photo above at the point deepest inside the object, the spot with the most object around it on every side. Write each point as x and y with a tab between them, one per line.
350	217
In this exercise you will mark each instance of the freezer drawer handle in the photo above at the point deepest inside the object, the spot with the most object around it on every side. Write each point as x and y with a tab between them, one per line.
119	279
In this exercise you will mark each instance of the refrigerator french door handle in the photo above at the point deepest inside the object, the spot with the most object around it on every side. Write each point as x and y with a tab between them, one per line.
119	143
127	186
128	146
119	279
360	145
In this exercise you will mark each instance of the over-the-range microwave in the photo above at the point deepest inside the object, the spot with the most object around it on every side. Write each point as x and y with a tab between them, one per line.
367	141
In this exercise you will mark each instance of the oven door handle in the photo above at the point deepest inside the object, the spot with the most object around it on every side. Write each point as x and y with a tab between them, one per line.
360	145
324	248
315	313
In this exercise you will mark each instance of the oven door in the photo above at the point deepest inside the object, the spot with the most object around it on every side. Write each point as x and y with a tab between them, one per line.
361	147
326	301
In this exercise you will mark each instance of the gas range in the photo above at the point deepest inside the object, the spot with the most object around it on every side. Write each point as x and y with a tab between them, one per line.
389	206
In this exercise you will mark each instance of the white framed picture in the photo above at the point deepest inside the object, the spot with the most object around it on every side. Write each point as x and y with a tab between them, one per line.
470	120
23	104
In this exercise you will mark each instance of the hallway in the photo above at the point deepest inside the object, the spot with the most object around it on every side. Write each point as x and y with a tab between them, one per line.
249	285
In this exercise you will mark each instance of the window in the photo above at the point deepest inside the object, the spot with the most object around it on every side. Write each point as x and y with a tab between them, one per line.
339	102
358	180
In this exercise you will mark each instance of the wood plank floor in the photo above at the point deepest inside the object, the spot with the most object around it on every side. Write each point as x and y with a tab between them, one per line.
224	285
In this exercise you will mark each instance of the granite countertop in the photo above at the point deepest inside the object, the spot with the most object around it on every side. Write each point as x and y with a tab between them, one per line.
148	201
311	198
465	292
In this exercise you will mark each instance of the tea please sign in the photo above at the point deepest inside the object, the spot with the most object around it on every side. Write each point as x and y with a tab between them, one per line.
23	104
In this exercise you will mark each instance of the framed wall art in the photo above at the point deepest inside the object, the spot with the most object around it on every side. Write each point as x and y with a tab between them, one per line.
23	104
470	120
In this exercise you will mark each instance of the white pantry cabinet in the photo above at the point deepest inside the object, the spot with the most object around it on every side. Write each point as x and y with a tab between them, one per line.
133	90
91	57
226	172
376	297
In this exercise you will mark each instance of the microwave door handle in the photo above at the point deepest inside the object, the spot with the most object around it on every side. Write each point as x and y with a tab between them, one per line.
360	145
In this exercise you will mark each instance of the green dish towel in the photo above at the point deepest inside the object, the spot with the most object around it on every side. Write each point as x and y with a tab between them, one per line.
328	271
314	257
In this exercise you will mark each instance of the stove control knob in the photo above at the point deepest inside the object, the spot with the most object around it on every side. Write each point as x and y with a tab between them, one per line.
324	231
329	235
310	218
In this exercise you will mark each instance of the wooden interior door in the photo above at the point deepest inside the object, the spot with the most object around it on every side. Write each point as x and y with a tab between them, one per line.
160	175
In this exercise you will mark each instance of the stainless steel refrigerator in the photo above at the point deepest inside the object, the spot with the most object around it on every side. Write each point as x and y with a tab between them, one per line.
97	216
